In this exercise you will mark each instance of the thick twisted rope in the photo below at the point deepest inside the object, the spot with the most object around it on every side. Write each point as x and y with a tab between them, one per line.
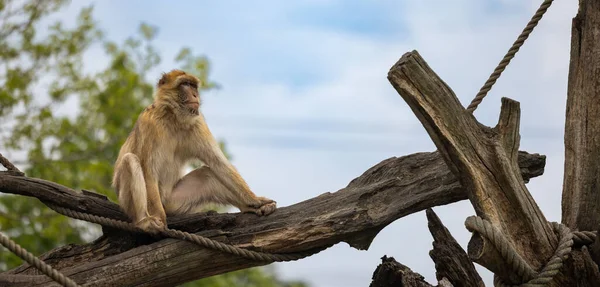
517	263
36	262
509	55
26	255
194	238
584	237
487	230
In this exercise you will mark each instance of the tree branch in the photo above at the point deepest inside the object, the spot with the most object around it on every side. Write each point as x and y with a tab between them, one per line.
10	168
390	190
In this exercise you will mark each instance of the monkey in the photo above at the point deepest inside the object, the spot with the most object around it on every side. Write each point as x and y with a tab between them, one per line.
169	133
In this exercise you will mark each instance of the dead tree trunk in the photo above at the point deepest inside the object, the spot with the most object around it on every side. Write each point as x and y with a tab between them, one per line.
581	187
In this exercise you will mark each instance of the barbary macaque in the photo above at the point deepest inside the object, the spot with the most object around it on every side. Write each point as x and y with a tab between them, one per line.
167	135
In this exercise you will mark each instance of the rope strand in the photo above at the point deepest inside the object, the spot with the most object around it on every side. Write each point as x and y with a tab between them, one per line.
509	55
36	262
190	237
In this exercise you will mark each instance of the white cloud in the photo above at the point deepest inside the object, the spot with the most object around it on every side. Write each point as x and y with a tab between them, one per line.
462	41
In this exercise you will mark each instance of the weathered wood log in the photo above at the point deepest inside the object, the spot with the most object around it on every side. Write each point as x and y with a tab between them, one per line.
581	269
581	185
451	260
485	161
390	273
390	190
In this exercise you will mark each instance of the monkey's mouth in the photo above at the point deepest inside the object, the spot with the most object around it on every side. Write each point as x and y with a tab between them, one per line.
193	105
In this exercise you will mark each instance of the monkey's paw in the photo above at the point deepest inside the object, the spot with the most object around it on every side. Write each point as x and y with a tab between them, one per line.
151	224
265	206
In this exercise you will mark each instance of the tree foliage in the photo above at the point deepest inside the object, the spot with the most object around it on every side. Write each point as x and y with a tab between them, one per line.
43	77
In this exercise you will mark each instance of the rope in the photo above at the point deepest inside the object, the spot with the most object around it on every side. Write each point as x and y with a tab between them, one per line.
583	237
517	263
26	255
39	264
193	238
509	55
487	230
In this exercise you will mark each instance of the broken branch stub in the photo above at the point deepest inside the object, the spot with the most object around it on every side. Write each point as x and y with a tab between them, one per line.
451	260
484	159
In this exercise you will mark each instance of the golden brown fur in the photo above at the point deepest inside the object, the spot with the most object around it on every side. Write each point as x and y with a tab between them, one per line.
169	133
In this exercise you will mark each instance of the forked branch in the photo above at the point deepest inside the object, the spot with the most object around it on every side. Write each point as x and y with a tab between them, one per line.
485	161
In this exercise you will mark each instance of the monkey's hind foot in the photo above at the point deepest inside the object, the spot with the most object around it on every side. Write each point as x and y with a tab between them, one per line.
151	224
265	207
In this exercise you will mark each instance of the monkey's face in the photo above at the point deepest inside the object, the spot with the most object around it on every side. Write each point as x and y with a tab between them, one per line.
189	97
181	87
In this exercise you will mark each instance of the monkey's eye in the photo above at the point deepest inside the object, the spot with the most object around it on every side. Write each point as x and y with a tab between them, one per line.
188	83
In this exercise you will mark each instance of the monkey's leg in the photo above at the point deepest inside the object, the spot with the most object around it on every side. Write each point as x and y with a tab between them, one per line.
200	187
155	205
196	188
131	188
133	195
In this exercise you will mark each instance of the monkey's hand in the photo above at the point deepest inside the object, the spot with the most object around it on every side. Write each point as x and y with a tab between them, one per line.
151	224
265	206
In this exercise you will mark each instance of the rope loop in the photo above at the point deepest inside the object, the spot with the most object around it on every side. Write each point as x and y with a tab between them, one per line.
530	278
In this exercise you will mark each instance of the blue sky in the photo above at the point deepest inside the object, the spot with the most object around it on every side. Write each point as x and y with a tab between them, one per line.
306	106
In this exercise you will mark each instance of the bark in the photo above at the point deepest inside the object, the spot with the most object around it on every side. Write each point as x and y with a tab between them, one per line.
451	261
390	190
581	185
485	161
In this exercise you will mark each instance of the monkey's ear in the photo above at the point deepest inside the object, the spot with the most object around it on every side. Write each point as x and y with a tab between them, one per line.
163	80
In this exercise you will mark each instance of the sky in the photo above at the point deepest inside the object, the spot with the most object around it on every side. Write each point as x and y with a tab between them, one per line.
305	105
